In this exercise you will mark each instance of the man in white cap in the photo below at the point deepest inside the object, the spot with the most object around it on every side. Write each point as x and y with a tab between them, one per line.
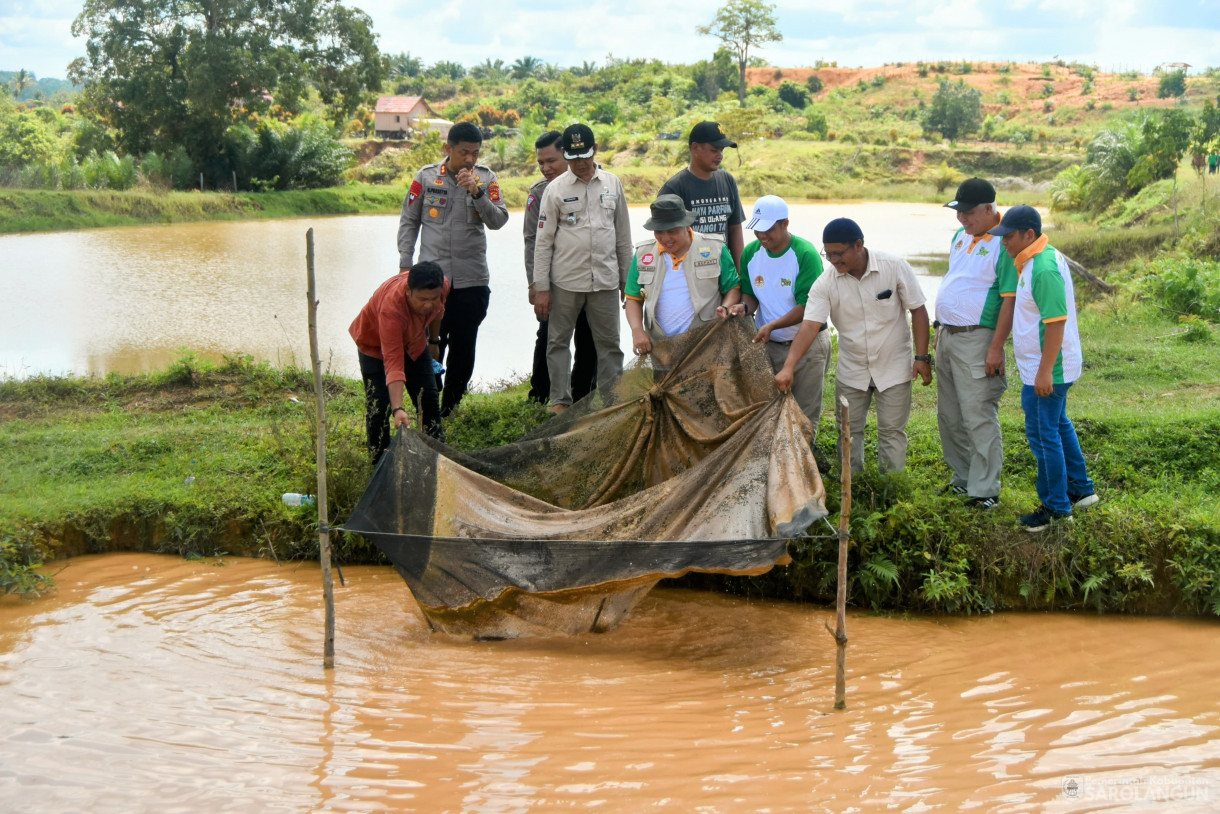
678	280
777	270
581	255
974	308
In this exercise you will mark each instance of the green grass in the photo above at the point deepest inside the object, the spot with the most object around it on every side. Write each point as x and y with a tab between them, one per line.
41	211
101	464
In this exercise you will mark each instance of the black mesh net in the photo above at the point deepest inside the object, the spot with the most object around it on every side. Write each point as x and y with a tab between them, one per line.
695	463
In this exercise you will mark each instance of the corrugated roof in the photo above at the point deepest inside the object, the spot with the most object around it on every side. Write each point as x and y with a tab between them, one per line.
398	104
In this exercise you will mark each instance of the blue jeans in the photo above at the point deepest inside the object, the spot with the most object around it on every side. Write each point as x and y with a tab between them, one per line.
1052	439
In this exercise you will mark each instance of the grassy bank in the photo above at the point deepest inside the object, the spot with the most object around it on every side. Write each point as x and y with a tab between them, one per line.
192	461
794	169
42	211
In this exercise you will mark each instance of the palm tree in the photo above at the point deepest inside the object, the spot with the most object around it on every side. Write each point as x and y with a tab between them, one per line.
22	80
487	69
525	67
405	66
586	68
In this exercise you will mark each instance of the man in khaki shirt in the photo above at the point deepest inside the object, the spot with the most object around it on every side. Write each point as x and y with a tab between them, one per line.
868	299
581	256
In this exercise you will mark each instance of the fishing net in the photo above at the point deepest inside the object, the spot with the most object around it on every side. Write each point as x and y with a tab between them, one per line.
694	463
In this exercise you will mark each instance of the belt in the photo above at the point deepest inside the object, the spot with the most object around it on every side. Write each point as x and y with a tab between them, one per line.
777	342
959	329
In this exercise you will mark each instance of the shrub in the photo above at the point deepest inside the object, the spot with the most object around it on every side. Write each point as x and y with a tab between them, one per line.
1186	286
793	94
814	84
1171	84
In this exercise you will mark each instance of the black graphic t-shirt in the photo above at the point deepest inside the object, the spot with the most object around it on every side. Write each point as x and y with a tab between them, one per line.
715	201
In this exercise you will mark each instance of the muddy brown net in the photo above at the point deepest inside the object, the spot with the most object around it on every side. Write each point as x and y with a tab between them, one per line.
696	463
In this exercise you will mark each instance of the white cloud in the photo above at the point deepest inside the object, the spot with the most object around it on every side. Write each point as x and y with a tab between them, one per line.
1111	33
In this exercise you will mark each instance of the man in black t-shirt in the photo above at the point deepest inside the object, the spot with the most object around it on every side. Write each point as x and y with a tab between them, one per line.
708	191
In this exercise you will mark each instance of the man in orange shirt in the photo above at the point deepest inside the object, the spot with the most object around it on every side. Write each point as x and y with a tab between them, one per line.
398	335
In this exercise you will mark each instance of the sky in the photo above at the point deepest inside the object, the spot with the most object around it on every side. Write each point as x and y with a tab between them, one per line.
1115	35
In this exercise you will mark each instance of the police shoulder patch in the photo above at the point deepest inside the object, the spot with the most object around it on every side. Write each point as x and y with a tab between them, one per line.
413	193
493	192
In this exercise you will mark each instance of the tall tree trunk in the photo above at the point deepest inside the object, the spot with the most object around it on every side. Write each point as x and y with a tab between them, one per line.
741	82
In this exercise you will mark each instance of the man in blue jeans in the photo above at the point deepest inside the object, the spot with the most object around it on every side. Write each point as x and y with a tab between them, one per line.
1046	343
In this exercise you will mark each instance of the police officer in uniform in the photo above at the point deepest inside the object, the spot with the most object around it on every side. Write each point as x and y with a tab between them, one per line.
447	207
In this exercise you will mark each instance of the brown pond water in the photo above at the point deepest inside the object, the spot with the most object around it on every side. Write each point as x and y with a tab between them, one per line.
152	684
131	299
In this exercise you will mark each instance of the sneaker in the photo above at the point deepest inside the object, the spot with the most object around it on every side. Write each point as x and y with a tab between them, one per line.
983	503
1084	501
957	491
1040	518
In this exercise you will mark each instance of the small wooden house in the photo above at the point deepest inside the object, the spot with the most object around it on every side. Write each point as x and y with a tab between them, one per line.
396	116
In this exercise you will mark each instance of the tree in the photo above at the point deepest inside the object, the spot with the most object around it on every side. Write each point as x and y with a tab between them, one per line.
955	111
742	25
21	81
525	67
489	70
404	66
169	73
793	94
1171	84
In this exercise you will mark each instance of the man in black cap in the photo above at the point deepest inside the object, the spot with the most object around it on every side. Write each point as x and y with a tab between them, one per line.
868	298
708	191
678	280
548	149
581	256
974	307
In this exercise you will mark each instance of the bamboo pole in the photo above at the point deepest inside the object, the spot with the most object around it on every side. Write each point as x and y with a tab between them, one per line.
328	583
840	631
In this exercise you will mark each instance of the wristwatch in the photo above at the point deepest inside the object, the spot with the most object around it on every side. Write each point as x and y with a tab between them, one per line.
924	357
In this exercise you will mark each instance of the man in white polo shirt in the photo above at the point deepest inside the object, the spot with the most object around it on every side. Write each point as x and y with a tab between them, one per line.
777	270
868	299
973	319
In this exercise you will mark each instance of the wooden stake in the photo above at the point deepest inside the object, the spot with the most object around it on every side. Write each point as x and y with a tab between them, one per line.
328	583
840	631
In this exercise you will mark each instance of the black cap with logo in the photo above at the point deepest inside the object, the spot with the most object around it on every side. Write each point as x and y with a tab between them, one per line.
578	142
710	133
971	193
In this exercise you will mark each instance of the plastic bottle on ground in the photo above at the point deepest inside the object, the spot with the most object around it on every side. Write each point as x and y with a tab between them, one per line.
297	499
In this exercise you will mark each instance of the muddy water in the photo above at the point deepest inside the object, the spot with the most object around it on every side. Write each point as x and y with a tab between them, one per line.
150	684
131	299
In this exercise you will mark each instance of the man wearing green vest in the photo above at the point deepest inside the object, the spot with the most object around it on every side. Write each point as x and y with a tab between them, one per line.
777	270
678	280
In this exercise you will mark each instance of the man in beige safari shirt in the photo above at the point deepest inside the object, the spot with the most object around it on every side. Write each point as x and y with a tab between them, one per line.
868	298
582	253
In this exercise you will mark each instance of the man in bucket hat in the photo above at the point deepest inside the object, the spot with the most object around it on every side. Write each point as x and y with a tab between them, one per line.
708	191
679	279
973	319
581	255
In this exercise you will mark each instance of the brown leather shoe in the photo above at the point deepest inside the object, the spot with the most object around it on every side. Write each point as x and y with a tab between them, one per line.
557	409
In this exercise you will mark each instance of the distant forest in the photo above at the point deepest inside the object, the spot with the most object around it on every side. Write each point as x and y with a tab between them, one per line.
41	89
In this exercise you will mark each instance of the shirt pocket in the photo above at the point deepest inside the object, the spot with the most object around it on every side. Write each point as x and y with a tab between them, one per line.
472	211
572	215
707	270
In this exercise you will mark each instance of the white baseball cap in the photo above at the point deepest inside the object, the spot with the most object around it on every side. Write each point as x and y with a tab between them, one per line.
767	210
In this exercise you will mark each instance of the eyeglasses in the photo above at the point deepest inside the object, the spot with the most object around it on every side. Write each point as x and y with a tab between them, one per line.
833	256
